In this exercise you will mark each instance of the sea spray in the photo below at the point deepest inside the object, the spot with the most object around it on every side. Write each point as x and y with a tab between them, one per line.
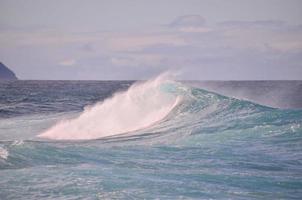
142	105
208	146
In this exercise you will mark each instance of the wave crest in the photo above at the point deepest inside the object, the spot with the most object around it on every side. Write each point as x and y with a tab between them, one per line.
142	105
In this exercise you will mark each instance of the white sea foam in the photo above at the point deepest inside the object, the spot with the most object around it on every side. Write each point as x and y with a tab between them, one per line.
3	153
142	105
17	142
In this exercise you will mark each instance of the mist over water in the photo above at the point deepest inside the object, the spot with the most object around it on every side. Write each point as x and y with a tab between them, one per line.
277	94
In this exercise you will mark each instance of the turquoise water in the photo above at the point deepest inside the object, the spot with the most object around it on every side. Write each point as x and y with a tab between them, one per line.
208	147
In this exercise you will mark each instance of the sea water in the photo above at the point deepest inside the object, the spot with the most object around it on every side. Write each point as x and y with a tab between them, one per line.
159	139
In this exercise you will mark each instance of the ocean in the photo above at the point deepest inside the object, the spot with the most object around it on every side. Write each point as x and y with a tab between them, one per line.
159	139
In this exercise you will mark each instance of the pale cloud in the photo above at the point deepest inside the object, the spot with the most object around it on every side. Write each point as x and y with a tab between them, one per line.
68	62
195	29
138	41
275	36
233	49
266	24
48	38
137	60
190	24
287	46
188	21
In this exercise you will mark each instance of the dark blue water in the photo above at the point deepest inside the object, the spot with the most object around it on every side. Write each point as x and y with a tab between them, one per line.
35	97
208	147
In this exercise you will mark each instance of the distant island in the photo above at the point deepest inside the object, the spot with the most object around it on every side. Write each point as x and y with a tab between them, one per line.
6	73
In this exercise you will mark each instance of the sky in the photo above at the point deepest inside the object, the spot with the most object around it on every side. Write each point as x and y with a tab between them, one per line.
137	39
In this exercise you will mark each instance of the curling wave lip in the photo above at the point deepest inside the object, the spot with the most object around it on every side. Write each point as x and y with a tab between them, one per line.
141	106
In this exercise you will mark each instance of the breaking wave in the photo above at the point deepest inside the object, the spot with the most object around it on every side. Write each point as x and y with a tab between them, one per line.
141	106
174	110
159	139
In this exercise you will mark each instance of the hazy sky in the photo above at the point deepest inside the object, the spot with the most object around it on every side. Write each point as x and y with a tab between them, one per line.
134	39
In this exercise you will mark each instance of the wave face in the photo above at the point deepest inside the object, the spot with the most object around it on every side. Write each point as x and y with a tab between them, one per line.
142	105
174	110
158	139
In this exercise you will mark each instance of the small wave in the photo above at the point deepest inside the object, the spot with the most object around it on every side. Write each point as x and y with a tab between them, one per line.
141	106
17	142
3	153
